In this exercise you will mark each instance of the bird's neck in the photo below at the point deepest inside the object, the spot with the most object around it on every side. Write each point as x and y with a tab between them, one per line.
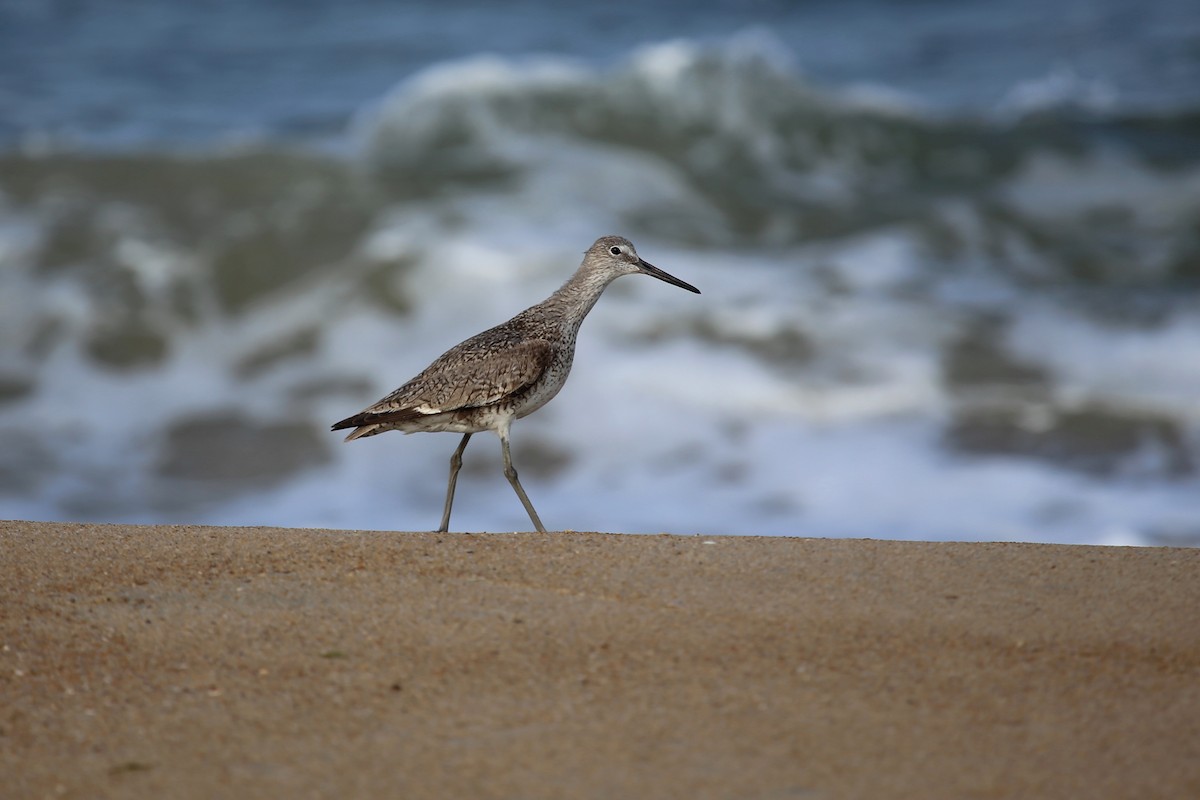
572	302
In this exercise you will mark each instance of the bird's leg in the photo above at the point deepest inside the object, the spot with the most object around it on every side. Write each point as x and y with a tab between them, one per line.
511	474
455	466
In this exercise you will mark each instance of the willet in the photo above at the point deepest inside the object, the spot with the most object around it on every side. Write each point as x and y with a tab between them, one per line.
506	372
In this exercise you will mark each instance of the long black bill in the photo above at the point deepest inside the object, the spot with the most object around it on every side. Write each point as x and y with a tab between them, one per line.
650	269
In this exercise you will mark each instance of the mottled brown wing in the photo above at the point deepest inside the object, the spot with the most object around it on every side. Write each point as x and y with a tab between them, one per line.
480	379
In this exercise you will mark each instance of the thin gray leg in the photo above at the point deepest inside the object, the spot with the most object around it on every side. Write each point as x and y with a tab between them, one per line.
511	474
455	466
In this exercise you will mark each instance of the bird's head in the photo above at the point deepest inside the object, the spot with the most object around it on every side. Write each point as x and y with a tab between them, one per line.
616	254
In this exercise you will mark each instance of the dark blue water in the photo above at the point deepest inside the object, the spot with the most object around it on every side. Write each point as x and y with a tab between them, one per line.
123	74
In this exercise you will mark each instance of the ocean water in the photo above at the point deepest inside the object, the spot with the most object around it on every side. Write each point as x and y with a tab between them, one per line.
949	255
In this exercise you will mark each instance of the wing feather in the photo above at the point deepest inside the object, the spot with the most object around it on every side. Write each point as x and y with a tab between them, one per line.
461	379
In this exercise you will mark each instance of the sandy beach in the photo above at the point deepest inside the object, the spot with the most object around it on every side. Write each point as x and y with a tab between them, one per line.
172	661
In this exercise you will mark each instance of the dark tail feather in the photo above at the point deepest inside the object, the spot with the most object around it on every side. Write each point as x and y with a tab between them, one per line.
380	418
349	422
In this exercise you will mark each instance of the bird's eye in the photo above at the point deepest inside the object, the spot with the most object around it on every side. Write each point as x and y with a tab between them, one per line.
616	251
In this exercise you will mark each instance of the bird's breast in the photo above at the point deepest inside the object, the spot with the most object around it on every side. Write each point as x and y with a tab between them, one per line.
547	386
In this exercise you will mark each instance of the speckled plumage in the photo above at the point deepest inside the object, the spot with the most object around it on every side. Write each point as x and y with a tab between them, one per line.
506	372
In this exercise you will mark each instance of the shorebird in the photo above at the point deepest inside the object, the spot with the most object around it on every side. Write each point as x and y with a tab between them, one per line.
506	372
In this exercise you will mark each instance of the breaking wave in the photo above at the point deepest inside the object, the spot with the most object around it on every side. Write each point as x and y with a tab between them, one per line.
913	324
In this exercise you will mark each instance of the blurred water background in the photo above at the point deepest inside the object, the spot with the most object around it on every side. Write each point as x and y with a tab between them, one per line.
950	256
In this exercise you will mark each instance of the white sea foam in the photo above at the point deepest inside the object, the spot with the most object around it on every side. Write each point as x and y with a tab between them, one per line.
805	392
1052	186
682	438
1061	87
1155	368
